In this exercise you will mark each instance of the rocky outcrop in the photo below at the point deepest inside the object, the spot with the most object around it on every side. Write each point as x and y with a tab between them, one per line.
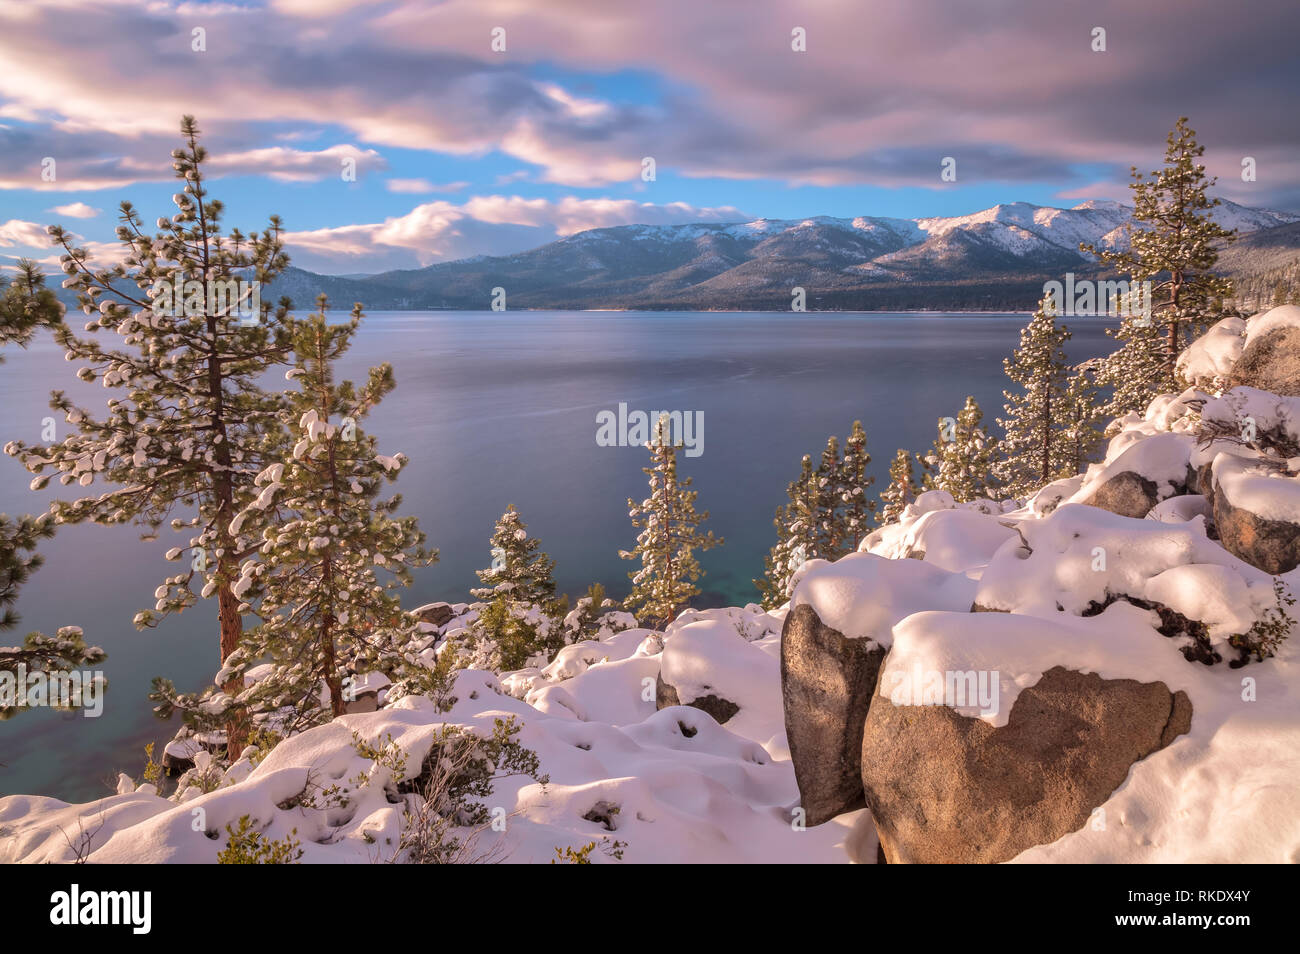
827	681
719	708
945	788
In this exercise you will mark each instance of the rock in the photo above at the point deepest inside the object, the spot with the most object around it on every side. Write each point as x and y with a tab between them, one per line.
435	614
1271	362
1142	471
1127	494
827	681
720	709
944	788
1271	545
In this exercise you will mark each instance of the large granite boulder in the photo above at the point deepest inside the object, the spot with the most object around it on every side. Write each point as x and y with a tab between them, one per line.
946	788
1271	359
1257	512
827	681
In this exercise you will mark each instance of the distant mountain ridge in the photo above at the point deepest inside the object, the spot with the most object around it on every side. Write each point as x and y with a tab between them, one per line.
995	259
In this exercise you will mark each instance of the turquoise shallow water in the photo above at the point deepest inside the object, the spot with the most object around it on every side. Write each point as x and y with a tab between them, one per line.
494	409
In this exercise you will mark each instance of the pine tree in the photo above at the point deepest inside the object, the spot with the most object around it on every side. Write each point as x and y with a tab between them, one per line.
962	466
519	570
1136	372
188	431
830	529
1036	448
325	615
857	509
26	305
1083	416
669	539
797	537
901	490
1175	246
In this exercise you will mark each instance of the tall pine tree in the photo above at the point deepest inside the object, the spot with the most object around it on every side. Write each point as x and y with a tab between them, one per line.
669	538
326	616
189	428
1174	245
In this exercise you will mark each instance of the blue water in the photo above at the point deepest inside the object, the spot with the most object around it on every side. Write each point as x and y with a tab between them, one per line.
494	409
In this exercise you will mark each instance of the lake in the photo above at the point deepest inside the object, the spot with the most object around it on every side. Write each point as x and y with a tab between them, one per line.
496	409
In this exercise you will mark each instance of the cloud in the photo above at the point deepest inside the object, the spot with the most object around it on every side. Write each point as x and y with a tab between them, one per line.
1012	89
422	186
76	210
482	225
16	232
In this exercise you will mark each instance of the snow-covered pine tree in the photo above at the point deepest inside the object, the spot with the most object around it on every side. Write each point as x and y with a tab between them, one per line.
857	510
1083	418
1136	372
830	527
519	571
797	538
963	466
669	538
1175	245
188	430
326	615
26	305
1036	448
901	490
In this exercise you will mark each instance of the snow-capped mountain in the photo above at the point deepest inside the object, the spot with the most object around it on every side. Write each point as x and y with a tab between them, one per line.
995	258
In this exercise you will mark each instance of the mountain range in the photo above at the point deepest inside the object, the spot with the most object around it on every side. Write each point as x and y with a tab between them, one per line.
996	259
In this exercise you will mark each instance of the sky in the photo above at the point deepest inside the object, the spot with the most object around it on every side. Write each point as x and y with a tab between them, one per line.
487	127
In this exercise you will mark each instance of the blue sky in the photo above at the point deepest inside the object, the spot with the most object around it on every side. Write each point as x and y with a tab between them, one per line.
463	149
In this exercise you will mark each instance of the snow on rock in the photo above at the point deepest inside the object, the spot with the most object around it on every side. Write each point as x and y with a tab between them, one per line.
1080	556
863	595
1210	357
1283	316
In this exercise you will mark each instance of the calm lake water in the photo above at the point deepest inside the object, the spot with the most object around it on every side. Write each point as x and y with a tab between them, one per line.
494	409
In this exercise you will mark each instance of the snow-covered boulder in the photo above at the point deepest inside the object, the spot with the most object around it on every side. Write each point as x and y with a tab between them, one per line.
1208	360
836	634
1138	474
723	662
1257	511
827	681
1270	359
944	787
